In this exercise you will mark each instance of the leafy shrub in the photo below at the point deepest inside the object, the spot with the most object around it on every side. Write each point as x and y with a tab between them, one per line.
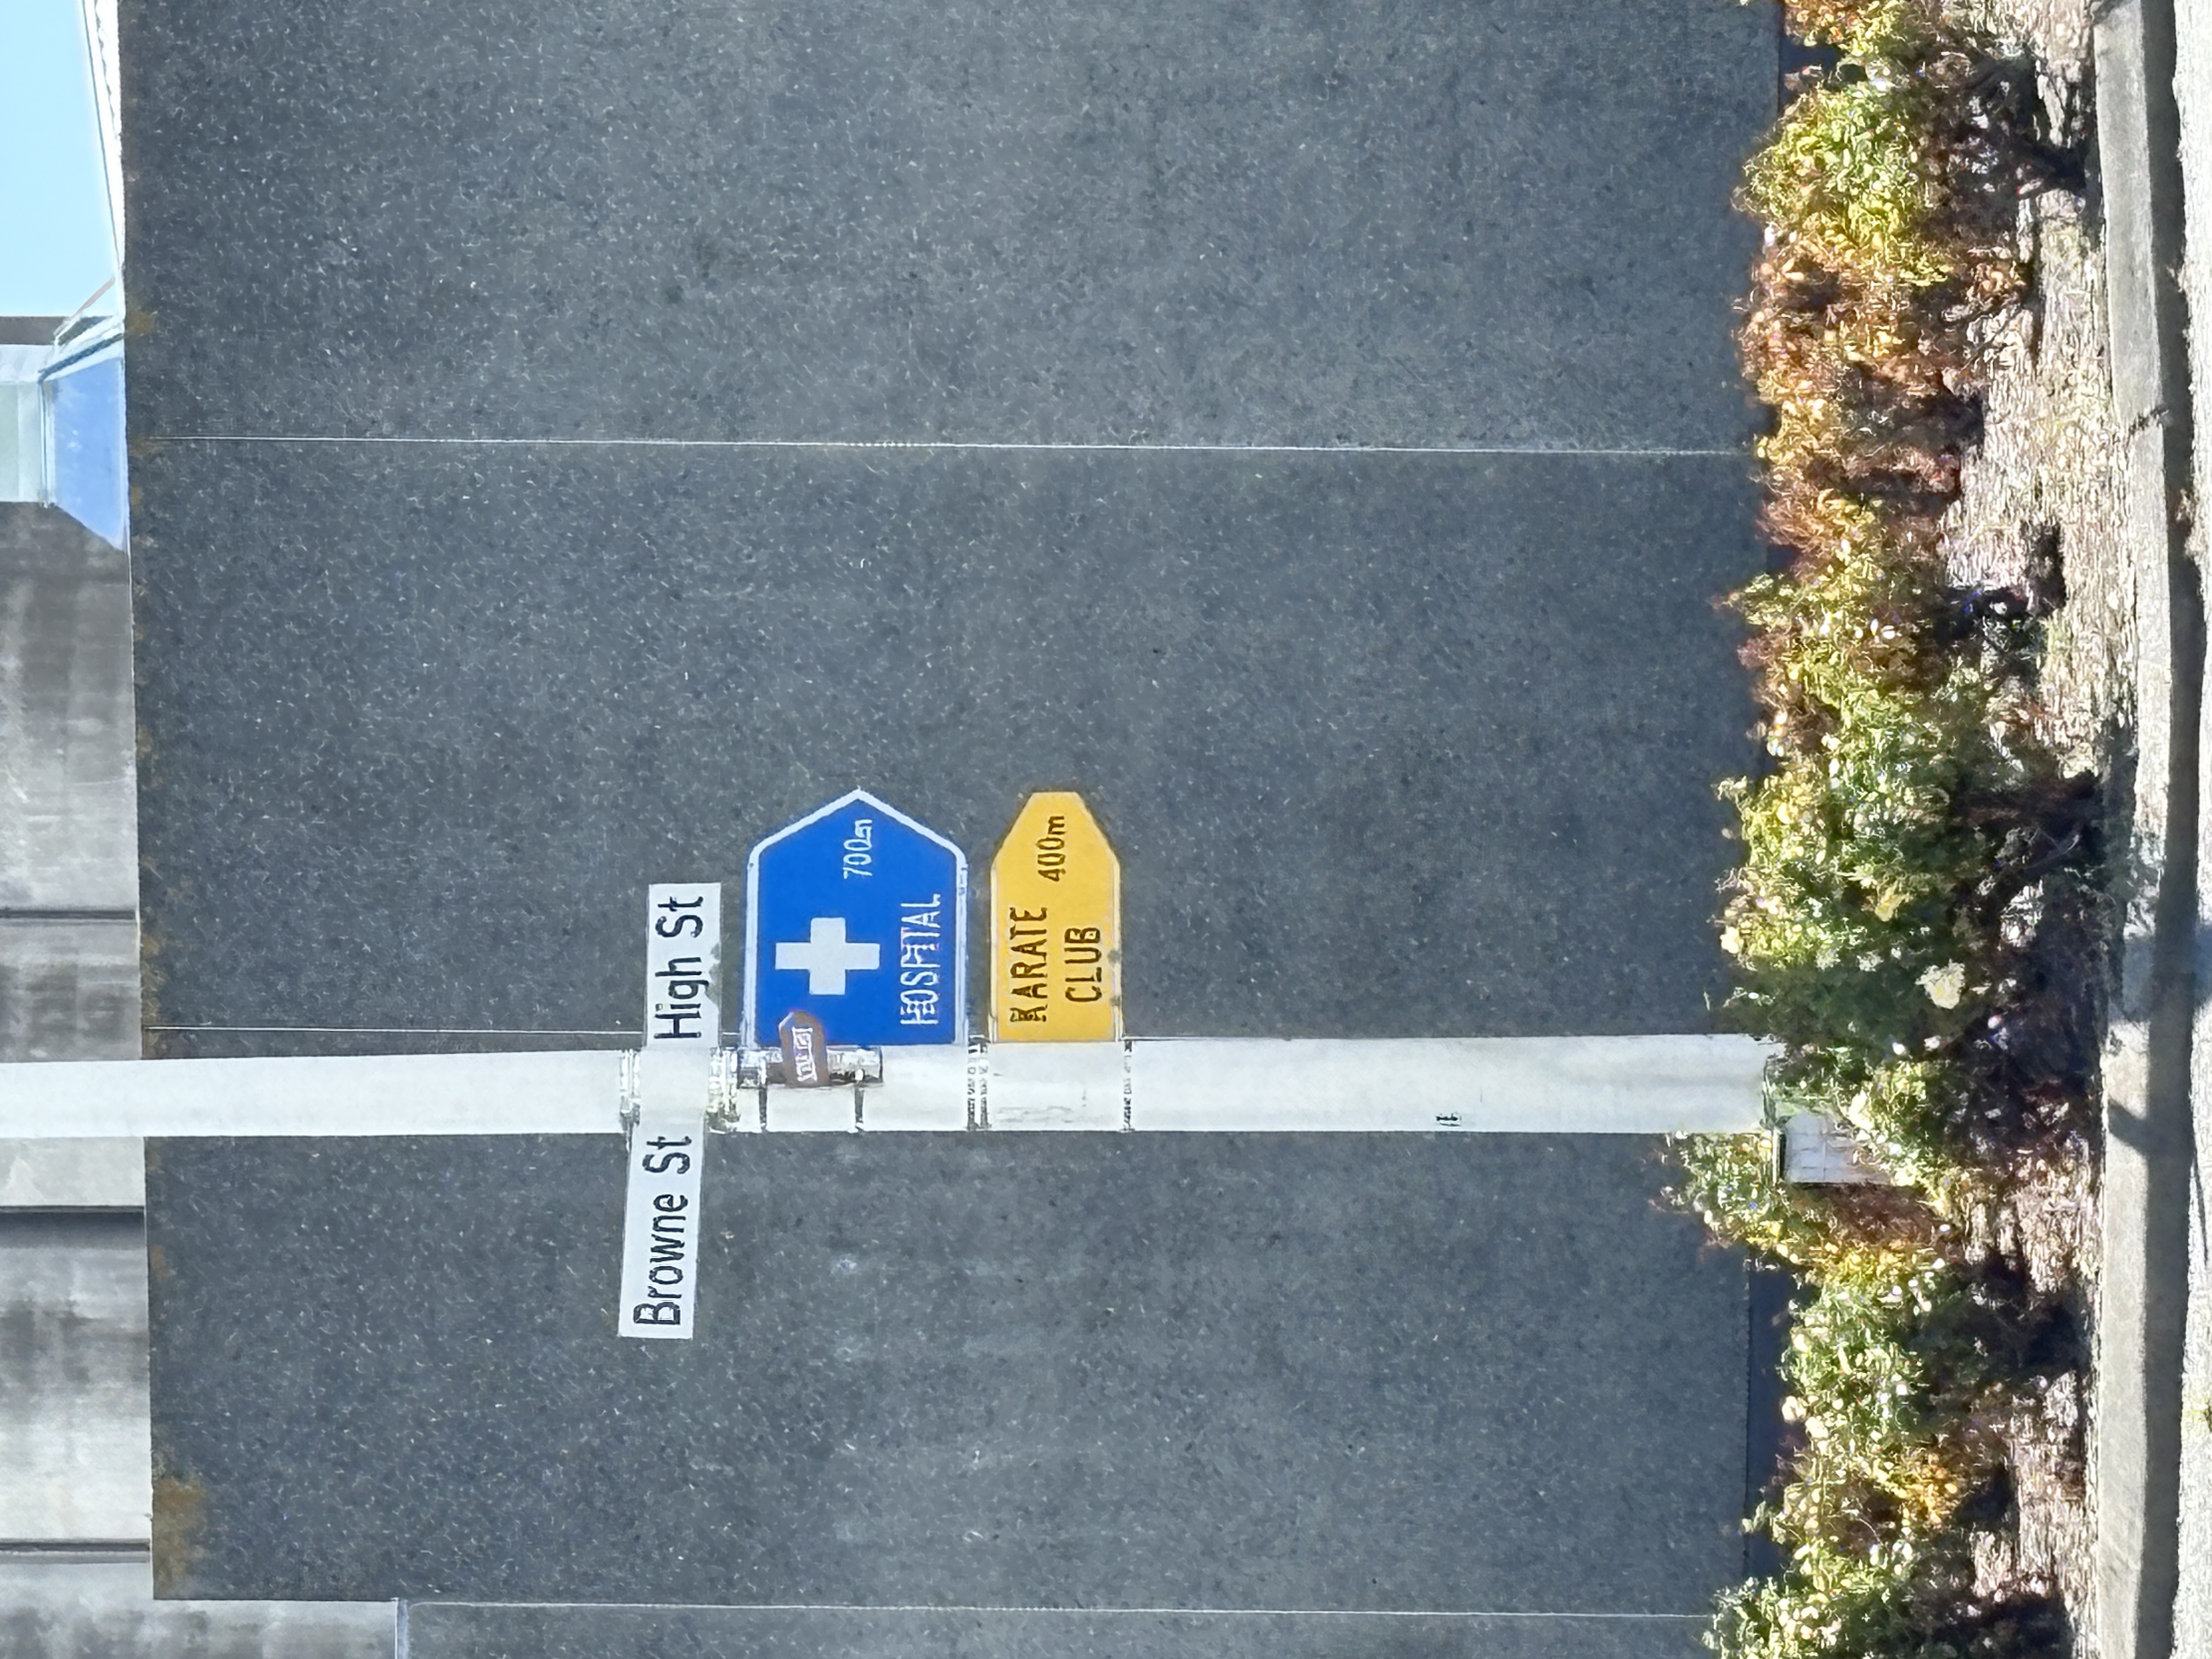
1912	339
1895	1603
1907	815
1907	810
1848	182
1899	31
1899	171
1837	424
1846	919
1854	613
1732	1183
1894	1365
1885	1393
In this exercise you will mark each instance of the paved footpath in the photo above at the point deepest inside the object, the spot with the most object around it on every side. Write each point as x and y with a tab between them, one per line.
2192	1637
2152	1456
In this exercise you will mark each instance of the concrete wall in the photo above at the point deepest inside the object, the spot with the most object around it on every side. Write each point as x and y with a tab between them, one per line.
69	859
89	1607
72	1435
75	1582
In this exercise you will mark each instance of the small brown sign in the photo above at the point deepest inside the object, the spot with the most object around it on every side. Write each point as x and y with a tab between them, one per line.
805	1050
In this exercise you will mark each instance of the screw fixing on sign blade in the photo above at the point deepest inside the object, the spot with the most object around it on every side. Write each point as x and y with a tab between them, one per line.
857	916
1055	926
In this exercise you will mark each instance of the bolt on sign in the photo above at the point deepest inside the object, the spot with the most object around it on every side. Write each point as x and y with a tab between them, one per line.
1055	926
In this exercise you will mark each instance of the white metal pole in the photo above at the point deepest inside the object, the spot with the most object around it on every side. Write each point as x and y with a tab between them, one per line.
1605	1085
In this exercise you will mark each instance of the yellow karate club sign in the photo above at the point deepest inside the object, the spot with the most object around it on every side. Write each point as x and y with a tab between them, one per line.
1055	926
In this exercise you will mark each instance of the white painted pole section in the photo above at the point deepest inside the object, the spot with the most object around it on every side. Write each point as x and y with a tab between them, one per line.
570	1093
922	1089
1584	1085
1062	1085
1495	1086
1522	1085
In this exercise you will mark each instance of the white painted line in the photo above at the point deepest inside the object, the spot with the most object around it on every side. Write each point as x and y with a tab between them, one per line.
571	1092
1525	1085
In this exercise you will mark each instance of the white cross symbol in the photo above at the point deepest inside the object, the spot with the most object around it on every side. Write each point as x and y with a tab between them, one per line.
826	957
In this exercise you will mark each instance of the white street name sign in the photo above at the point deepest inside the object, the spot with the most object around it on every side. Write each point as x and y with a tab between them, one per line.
667	1147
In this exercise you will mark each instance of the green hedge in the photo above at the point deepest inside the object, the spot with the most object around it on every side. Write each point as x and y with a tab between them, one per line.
1908	811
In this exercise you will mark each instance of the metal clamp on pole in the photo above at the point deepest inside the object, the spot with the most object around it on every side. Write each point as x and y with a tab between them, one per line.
804	1083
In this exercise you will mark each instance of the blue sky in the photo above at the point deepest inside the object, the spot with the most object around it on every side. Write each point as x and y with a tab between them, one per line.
55	244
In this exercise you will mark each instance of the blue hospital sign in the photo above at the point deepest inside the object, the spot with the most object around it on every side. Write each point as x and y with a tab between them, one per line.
857	915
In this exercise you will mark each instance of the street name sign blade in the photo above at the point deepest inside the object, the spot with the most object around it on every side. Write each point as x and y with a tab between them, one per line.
684	967
1055	926
858	915
660	1225
683	1024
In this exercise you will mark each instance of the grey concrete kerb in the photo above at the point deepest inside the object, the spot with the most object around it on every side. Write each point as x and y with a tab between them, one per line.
2156	1045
